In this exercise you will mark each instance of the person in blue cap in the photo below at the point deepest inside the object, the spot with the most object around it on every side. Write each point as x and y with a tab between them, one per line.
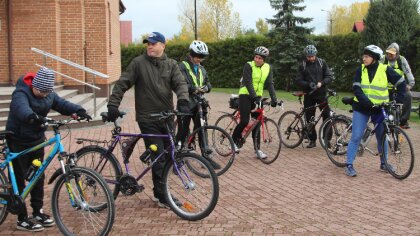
154	77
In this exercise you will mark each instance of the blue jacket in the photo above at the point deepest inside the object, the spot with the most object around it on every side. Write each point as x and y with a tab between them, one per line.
24	103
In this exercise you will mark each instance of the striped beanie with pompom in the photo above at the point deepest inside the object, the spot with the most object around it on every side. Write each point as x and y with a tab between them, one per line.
44	80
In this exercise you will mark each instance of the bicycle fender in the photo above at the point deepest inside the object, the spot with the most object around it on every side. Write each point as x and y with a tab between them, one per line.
54	176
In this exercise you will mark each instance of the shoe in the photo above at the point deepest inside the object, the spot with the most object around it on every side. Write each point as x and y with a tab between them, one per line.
261	154
311	144
350	171
235	147
385	169
44	219
27	225
214	164
164	204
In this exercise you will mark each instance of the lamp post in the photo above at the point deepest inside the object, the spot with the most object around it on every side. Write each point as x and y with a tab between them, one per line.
195	20
330	20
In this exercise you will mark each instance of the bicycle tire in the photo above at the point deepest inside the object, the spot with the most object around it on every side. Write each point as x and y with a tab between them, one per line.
84	203
401	163
227	122
111	169
3	208
324	124
291	129
270	141
184	190
219	150
336	146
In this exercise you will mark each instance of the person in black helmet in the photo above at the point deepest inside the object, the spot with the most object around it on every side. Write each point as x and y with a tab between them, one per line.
313	77
254	75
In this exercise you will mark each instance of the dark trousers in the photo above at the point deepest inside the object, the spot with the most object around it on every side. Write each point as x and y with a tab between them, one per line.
183	123
158	167
21	166
310	114
246	105
406	107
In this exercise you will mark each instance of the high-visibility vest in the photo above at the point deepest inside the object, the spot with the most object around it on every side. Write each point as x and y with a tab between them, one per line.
396	67
377	90
259	75
193	76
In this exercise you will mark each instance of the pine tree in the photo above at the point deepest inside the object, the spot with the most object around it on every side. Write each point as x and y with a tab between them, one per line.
291	37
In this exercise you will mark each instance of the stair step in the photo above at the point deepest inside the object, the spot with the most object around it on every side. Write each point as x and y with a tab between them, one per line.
6	92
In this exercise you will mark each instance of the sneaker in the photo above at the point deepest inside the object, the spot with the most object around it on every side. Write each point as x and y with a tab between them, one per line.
235	147
261	154
214	164
164	204
350	171
311	144
44	219
27	225
383	167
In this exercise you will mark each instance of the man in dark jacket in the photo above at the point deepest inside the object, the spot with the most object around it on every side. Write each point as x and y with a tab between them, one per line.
154	77
313	77
31	101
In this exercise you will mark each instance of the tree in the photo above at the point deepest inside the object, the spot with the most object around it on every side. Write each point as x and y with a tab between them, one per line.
261	26
290	37
390	21
216	20
343	18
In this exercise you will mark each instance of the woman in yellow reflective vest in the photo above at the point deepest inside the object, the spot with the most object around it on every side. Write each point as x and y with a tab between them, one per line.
254	75
370	86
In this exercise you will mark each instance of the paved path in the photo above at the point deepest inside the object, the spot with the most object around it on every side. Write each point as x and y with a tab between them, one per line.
302	193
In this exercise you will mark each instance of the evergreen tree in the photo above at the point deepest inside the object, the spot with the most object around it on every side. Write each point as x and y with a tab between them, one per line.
290	37
390	21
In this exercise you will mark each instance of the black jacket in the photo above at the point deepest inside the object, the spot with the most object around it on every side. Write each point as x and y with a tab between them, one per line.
314	72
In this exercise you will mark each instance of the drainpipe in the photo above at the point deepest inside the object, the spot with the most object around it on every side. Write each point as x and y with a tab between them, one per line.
9	40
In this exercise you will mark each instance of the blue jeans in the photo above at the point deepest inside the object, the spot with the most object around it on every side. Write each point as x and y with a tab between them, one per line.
360	121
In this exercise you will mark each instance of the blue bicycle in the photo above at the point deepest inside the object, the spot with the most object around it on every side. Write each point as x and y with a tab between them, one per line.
81	201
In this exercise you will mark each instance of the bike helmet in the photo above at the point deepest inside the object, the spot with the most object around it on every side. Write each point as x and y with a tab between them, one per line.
310	50
262	51
373	51
198	48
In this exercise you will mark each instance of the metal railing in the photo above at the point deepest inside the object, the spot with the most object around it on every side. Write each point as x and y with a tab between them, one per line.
70	63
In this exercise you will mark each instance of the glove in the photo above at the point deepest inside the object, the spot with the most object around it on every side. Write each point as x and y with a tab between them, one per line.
83	115
257	101
183	106
273	103
36	119
113	113
205	89
312	85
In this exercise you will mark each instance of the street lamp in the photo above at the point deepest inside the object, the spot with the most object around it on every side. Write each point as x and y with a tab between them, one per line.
195	21
331	20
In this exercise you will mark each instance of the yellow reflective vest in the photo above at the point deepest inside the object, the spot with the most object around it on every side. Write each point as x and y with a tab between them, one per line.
259	75
194	78
377	90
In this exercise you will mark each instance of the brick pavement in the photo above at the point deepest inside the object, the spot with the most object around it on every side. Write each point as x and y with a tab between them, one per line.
302	193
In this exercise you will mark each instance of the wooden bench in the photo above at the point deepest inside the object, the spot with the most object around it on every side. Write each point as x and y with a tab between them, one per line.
415	106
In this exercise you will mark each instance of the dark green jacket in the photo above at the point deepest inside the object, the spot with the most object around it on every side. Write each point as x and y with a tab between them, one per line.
153	79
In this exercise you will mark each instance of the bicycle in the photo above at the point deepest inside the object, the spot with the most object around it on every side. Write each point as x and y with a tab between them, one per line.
294	127
219	150
191	187
81	202
399	153
267	139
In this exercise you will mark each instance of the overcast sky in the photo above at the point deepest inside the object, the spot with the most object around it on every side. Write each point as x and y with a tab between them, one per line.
162	15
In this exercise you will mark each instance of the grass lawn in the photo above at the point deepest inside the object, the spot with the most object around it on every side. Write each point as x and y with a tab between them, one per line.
287	96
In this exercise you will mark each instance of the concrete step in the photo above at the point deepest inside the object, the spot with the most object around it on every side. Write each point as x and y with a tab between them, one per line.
6	92
5	103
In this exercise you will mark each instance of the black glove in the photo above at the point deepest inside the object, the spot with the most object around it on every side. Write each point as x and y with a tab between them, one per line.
257	101
182	106
36	119
312	85
83	115
273	103
205	89
113	113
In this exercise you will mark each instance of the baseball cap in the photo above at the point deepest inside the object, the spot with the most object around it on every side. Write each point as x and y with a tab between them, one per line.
392	51
154	37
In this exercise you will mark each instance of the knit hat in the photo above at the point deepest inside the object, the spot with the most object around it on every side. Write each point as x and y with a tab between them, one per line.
44	80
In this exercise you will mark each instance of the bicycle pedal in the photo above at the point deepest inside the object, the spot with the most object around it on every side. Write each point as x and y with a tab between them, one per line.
140	188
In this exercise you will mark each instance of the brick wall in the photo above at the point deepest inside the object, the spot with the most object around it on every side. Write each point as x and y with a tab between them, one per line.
4	55
126	34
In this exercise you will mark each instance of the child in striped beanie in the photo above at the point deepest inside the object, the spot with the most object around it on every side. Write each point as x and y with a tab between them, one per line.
44	80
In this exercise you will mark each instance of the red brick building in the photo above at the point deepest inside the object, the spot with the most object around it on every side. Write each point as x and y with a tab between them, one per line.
86	32
126	32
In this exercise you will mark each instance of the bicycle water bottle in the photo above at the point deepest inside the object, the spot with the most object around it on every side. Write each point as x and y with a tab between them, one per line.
148	153
32	169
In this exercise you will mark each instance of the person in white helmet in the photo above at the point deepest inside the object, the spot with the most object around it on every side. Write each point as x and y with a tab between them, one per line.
255	74
370	86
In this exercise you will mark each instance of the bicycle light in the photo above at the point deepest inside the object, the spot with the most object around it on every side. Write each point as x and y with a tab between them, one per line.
390	117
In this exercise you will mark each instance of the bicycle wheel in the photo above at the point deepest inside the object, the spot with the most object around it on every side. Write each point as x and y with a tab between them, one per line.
216	146
268	140
291	129
324	125
400	158
3	208
190	196
227	122
82	203
106	164
337	138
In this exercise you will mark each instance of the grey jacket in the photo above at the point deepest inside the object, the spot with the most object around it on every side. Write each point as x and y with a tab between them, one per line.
405	67
153	79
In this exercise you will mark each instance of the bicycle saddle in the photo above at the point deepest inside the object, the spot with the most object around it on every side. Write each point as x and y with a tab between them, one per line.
298	93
